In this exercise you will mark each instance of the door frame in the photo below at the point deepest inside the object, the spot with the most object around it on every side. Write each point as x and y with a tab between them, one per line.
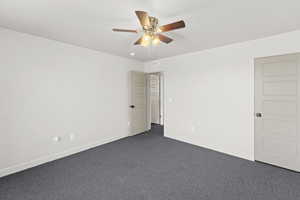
161	98
255	125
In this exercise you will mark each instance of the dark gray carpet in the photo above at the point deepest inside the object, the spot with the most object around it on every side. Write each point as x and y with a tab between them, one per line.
151	167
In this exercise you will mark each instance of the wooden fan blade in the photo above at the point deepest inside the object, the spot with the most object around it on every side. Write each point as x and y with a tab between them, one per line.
172	26
124	30
139	41
164	38
143	18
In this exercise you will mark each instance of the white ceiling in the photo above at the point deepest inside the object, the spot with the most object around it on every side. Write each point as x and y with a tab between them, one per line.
210	23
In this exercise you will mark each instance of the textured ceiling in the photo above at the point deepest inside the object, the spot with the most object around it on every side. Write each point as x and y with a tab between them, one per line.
210	23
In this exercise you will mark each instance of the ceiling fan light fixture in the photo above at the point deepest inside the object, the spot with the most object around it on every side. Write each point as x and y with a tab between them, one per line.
146	40
146	43
147	37
155	41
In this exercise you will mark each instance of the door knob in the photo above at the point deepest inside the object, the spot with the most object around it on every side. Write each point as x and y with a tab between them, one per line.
132	106
258	115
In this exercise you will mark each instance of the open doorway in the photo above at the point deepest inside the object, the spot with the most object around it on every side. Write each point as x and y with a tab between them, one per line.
155	102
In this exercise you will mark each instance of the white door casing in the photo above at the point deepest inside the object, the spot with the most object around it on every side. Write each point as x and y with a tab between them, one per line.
155	98
277	100
161	96
138	121
159	102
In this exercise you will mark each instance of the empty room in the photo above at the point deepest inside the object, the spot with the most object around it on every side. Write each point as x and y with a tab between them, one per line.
150	100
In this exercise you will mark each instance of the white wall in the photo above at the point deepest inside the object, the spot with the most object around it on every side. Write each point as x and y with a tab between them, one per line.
210	94
53	89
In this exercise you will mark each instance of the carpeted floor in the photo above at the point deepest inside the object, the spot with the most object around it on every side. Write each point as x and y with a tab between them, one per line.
151	167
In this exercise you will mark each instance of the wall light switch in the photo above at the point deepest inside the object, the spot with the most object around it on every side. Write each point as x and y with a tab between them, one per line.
72	136
193	128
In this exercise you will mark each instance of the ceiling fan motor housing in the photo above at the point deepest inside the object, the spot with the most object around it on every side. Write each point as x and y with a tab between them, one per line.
153	28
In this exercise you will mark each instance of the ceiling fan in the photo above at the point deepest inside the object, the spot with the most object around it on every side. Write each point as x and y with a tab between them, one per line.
152	31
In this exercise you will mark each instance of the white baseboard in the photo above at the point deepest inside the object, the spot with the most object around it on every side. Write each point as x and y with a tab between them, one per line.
49	158
210	148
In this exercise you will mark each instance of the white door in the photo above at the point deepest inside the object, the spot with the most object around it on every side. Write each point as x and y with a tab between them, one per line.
138	122
277	110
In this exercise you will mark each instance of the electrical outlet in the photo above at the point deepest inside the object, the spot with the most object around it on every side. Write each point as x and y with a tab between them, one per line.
56	139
